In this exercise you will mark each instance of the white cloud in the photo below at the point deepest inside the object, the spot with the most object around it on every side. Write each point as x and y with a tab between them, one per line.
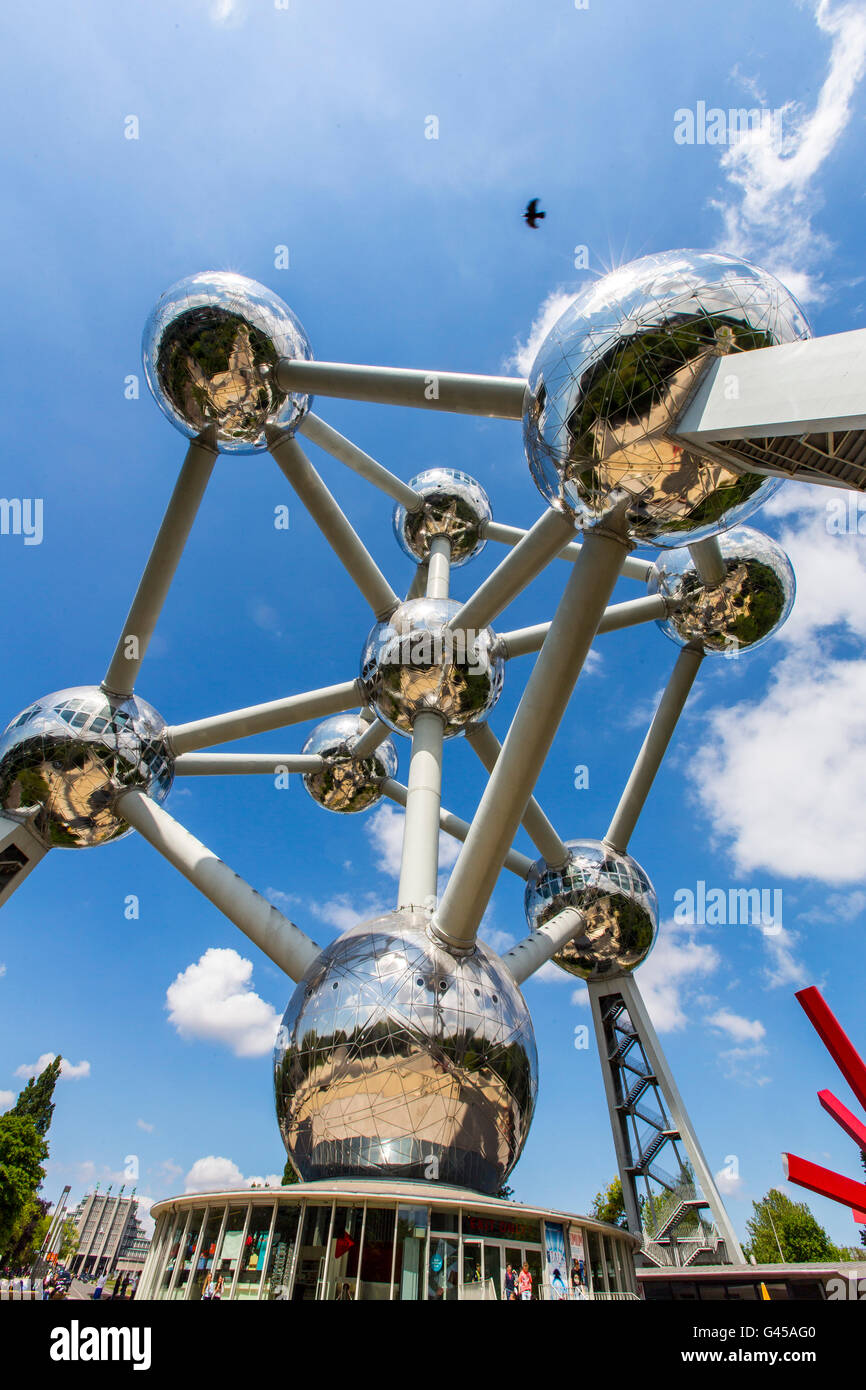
741	1029
2	970
213	1174
69	1071
345	910
6	1099
385	832
783	968
675	964
837	907
783	780
553	307
213	999
729	1184
143	1124
768	215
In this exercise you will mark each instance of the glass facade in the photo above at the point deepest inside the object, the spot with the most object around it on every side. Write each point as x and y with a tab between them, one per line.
361	1247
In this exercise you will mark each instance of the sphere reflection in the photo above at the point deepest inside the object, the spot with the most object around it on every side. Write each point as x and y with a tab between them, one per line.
616	370
618	903
751	603
210	348
347	784
397	1059
413	663
455	506
65	758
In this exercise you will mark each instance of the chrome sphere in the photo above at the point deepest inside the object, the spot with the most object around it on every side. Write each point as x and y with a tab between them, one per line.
618	902
616	370
210	348
397	1059
65	758
751	603
345	783
413	664
455	506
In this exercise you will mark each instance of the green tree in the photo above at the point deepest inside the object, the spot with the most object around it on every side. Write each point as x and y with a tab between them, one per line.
782	1231
69	1238
608	1204
290	1177
22	1153
36	1098
23	1150
506	1192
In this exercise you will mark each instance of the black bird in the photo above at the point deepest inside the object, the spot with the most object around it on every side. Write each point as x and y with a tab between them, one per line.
533	214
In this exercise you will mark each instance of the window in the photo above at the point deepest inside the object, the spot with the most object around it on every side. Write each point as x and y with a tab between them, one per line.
312	1249
412	1223
254	1252
378	1254
594	1247
188	1253
341	1277
228	1254
279	1268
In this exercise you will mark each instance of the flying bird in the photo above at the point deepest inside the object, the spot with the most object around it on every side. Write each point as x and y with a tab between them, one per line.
533	214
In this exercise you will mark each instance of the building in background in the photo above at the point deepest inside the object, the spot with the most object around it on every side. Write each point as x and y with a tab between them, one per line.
111	1237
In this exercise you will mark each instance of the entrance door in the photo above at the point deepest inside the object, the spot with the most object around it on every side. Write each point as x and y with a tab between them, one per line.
493	1267
473	1271
533	1259
513	1257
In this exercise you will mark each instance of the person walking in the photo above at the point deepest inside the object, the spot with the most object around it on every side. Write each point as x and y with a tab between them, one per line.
510	1284
524	1283
100	1285
218	1288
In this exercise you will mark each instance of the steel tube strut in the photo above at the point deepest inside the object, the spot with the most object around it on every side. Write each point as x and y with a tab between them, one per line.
540	946
260	719
616	616
458	829
331	521
348	453
458	392
532	731
511	576
240	764
654	747
634	568
485	745
162	562
288	947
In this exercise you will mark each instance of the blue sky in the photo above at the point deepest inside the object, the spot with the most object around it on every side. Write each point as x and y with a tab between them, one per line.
304	127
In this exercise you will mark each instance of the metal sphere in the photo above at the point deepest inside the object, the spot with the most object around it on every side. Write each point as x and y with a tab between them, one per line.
397	1059
347	784
65	758
616	370
455	506
751	603
618	902
210	348
413	664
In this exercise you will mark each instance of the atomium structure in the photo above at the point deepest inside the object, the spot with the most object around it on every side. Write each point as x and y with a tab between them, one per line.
658	413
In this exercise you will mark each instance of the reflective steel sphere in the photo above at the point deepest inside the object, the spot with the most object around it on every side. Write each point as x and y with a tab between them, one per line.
65	758
347	784
413	663
616	370
618	903
397	1059
751	603
455	506
210	348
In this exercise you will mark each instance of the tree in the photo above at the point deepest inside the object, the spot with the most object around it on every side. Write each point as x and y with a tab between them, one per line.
31	1228
23	1150
506	1192
786	1232
36	1098
69	1238
608	1205
290	1177
22	1153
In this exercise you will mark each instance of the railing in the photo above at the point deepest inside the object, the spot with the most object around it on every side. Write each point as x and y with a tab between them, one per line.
478	1291
30	1290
